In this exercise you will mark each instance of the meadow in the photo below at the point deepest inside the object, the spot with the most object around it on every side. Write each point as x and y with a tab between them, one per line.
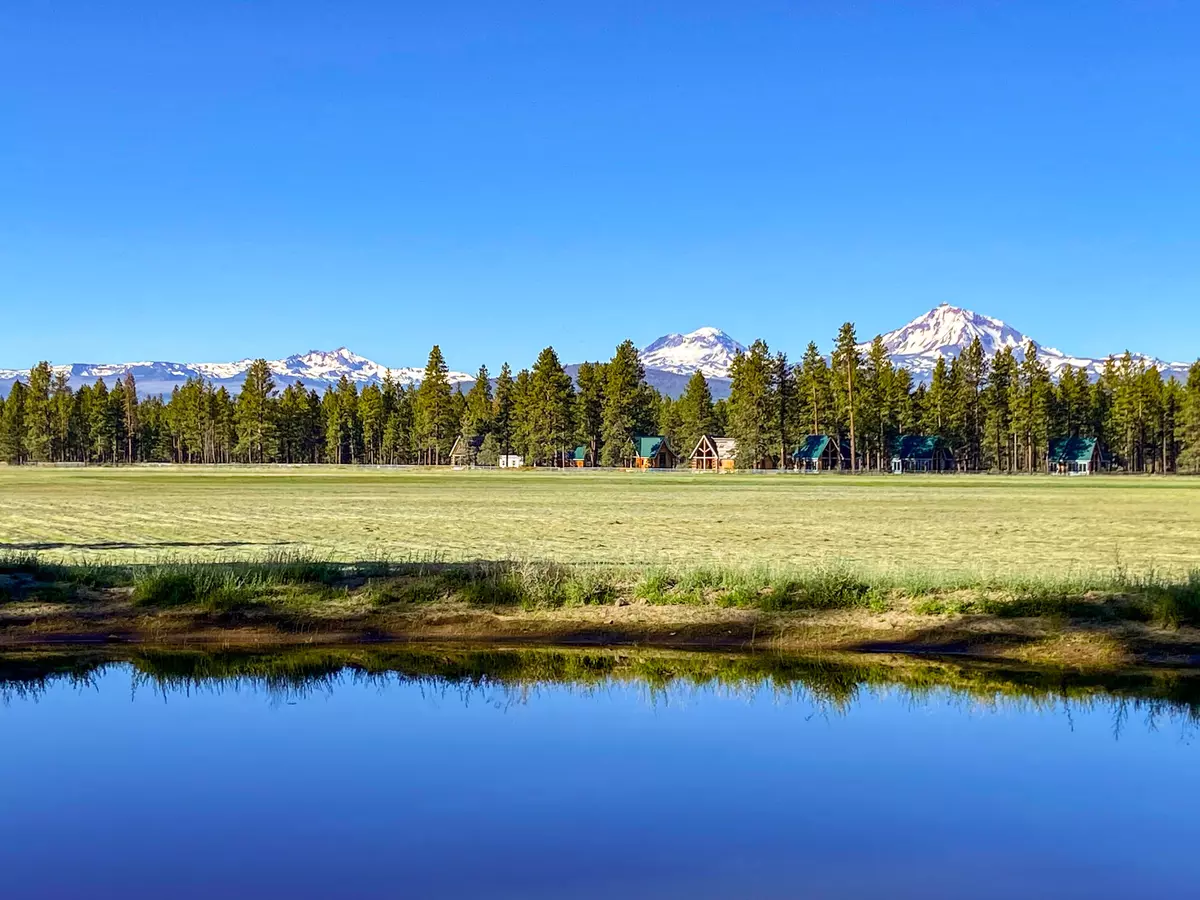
951	526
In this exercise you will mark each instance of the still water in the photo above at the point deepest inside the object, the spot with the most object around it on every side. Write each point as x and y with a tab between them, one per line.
539	774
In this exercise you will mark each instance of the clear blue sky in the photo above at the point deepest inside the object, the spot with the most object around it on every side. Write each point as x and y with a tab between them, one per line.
208	181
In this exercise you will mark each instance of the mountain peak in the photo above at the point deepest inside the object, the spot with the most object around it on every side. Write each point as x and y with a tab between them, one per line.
707	350
947	330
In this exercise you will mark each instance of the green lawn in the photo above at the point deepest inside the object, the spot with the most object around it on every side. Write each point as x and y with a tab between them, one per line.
942	524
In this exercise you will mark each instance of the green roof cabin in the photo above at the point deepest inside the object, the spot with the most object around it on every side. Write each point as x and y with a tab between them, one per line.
821	453
651	452
581	457
1073	456
920	453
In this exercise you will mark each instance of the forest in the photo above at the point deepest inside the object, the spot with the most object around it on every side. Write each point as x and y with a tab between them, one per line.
994	414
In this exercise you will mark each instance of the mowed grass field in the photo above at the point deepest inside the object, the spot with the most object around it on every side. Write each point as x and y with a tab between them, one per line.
921	524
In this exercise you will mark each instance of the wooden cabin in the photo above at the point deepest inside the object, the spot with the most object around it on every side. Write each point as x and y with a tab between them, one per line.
651	452
1073	456
920	453
821	453
581	458
714	454
465	451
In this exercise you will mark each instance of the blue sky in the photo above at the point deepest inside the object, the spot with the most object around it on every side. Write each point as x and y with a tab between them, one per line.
208	181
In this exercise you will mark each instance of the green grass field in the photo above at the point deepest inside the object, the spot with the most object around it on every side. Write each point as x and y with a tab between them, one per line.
933	524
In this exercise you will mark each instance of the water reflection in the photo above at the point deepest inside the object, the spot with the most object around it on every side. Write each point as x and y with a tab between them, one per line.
503	677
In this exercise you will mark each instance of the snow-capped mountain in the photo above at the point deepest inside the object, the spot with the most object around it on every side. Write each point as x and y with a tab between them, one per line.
946	331
315	369
709	351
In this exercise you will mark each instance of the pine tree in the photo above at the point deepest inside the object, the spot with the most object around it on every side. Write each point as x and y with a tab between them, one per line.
12	425
813	389
398	438
589	408
350	424
1129	411
434	425
902	405
696	415
721	417
1189	423
1172	402
335	438
628	404
971	413
101	428
372	418
751	406
39	422
784	396
477	417
876	421
489	451
523	414
116	416
64	413
997	396
129	416
1031	411
502	418
938	398
668	421
255	414
292	412
551	398
846	370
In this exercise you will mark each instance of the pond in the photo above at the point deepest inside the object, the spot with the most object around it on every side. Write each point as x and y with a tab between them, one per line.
440	772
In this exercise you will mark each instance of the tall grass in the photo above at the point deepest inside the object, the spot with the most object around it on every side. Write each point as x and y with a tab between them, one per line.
230	585
296	578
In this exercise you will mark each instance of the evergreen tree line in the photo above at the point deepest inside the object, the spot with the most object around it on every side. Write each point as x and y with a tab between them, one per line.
997	414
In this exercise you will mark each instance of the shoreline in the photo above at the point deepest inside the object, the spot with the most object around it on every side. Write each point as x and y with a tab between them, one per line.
1030	641
1100	622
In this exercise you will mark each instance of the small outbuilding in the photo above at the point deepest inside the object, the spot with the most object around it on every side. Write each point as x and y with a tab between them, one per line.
651	451
714	454
465	450
511	461
1073	456
921	453
821	453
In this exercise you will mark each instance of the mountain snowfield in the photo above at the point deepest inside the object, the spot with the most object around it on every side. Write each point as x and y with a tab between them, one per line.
707	350
945	331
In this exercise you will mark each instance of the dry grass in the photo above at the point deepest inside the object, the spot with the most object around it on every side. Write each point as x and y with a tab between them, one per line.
976	526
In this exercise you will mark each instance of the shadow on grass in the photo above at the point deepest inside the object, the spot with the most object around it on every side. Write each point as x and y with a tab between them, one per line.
41	546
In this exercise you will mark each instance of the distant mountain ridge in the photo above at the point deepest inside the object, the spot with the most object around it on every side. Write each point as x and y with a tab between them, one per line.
943	332
314	369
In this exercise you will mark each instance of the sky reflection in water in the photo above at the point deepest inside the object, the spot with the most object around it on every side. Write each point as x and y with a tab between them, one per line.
386	787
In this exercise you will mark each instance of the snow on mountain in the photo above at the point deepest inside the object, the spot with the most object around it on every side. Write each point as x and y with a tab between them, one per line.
946	331
315	368
706	350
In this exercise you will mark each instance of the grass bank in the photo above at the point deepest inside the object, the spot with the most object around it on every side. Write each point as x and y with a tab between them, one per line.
1114	618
